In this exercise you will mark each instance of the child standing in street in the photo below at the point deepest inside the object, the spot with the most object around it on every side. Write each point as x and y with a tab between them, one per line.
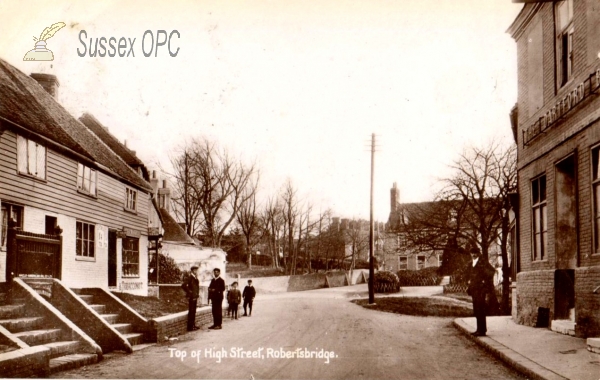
234	297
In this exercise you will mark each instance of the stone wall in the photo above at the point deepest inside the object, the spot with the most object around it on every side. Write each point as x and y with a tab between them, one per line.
534	289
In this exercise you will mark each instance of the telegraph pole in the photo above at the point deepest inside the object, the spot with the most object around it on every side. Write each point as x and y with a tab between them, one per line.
371	228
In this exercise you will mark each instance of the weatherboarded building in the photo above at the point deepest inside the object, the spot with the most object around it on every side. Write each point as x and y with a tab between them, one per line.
61	183
556	124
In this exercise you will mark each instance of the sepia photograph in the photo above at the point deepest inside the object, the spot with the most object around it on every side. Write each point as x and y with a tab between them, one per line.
300	189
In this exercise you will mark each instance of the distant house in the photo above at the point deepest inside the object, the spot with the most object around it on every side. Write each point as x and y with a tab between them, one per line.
56	172
411	242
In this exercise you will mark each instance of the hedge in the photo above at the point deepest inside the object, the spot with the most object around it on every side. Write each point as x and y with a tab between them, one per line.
422	277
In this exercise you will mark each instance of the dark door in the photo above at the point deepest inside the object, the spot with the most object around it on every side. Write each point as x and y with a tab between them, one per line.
566	214
112	258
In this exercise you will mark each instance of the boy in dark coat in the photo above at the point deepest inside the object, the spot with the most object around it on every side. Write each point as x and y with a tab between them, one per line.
248	294
234	297
191	286
480	275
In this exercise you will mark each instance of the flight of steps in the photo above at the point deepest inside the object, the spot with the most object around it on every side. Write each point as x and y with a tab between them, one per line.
134	338
36	330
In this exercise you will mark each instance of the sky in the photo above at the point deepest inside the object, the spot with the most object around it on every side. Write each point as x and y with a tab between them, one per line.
299	86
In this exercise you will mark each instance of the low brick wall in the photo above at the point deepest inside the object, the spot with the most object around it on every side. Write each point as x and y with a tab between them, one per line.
337	279
307	282
534	289
163	328
264	285
587	303
358	276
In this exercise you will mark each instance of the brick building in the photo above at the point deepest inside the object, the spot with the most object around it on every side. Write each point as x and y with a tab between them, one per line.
557	130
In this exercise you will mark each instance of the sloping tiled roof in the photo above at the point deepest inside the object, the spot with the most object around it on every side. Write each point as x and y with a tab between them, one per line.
173	231
24	102
113	143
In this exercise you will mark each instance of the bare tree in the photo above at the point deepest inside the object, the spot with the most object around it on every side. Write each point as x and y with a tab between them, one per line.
469	211
187	205
248	218
483	180
357	241
290	212
272	223
210	186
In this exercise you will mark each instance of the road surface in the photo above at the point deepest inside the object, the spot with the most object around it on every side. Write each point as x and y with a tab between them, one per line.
345	341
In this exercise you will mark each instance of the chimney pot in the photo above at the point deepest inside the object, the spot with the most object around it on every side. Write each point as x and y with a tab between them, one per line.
49	82
153	173
164	184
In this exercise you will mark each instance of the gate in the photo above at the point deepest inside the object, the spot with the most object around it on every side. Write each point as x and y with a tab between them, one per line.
33	255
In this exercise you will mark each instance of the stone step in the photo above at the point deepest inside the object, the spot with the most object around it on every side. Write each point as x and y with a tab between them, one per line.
86	298
42	288
134	338
4	348
21	324
37	337
100	309
593	345
123	328
110	318
72	361
11	311
563	326
62	348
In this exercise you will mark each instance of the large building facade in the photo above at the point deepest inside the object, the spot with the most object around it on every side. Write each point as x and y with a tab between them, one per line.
556	124
57	177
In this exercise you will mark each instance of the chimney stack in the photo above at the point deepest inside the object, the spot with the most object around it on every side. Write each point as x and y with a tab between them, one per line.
49	82
164	197
154	183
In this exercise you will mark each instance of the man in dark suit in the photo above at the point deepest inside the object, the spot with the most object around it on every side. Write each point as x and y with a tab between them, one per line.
248	295
191	286
215	295
480	275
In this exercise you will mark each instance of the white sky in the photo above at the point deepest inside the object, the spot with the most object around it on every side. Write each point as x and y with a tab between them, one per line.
299	85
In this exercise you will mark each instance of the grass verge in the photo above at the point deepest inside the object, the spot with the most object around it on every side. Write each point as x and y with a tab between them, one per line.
233	269
420	306
151	307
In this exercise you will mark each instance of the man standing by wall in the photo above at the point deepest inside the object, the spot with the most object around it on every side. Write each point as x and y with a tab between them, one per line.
480	274
248	295
191	286
215	296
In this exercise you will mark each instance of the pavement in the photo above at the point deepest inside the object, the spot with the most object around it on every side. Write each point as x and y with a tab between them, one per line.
538	353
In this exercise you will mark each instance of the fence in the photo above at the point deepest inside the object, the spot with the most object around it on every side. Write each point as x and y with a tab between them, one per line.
412	278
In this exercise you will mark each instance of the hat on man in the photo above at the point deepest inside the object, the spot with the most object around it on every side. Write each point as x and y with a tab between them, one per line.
475	251
194	267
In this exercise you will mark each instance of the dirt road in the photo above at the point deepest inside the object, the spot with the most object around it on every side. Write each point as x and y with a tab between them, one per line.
345	340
